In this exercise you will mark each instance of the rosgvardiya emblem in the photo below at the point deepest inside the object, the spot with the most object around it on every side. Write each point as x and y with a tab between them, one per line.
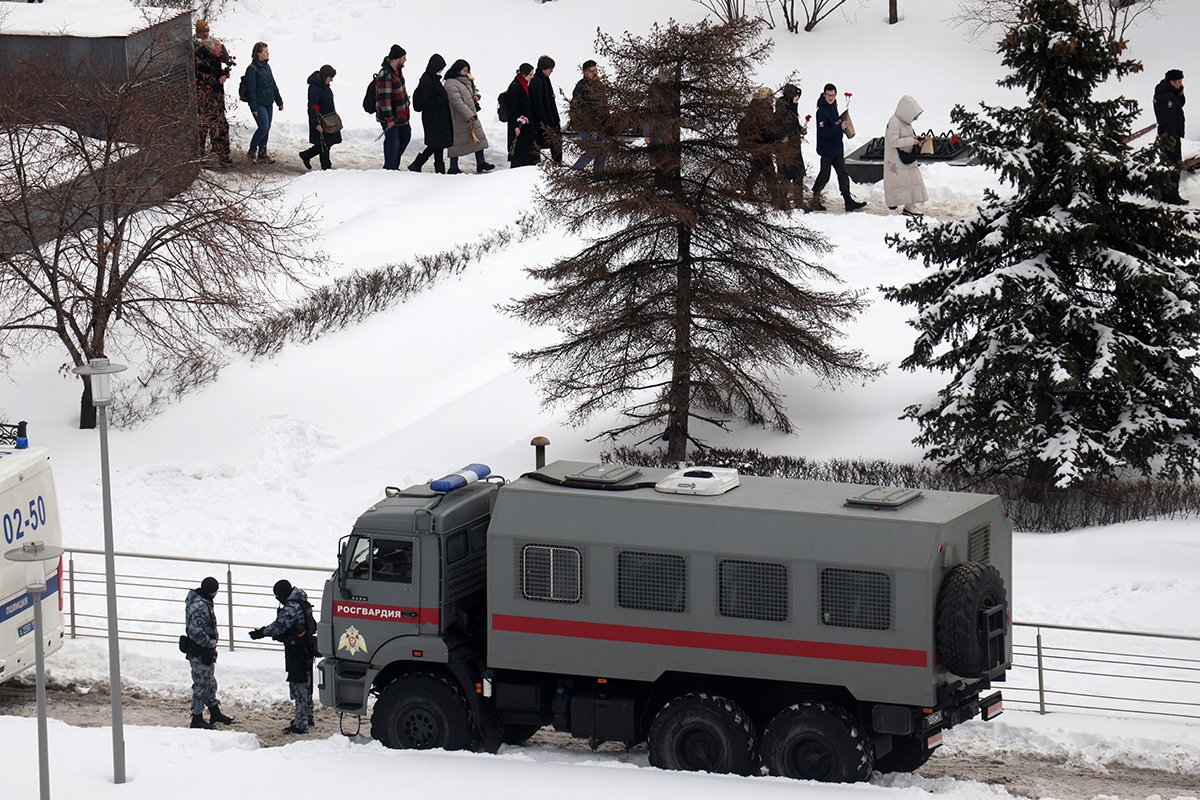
352	641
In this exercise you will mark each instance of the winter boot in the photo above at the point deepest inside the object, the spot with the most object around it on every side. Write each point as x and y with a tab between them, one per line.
484	167
215	715
817	203
854	205
439	163
306	158
198	722
418	162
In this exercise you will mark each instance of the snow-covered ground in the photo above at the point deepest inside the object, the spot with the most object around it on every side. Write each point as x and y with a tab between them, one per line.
275	460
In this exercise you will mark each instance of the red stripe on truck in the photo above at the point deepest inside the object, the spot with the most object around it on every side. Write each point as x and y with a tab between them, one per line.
413	616
711	641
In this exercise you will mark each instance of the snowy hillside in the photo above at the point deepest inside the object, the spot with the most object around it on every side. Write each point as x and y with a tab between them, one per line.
275	460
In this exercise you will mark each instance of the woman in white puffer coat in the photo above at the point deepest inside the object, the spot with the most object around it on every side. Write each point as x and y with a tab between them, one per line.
902	183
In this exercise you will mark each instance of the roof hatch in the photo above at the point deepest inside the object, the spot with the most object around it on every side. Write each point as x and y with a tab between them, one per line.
604	474
885	497
706	481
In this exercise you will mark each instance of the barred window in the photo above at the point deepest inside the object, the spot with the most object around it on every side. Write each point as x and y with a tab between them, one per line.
652	581
551	573
753	590
852	598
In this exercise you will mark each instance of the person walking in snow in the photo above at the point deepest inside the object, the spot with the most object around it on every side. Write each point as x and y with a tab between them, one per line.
392	107
831	149
290	627
464	114
547	125
320	104
789	155
430	99
902	182
1168	113
261	93
521	133
212	70
200	625
758	135
589	116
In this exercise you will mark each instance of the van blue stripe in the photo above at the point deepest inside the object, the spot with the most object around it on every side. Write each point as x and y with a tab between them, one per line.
16	606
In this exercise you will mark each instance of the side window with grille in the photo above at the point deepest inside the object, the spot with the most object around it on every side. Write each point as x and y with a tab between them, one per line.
551	573
652	581
852	598
753	590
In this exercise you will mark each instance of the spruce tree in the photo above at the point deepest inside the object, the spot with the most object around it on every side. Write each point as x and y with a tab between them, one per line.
689	298
1068	314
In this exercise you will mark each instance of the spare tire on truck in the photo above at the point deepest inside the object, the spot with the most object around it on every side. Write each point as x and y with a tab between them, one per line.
967	591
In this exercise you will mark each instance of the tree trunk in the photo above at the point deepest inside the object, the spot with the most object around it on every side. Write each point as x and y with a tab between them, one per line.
893	12
87	411
1039	472
679	395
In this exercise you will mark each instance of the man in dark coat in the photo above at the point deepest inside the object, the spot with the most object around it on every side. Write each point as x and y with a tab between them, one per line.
212	70
289	627
1168	112
790	155
320	103
430	99
521	133
544	108
831	149
589	116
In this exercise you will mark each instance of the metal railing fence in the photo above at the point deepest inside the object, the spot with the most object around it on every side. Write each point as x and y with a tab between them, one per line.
1055	667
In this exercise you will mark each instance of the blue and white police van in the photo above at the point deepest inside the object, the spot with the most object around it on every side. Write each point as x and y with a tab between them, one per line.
28	513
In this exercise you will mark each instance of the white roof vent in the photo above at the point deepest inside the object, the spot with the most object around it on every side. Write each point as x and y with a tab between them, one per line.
705	481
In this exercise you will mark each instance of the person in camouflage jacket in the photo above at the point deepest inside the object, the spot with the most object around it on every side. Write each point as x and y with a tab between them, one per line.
200	624
289	627
392	107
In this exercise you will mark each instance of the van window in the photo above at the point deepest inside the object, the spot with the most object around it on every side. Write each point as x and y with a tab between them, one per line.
855	598
380	560
753	590
652	581
551	573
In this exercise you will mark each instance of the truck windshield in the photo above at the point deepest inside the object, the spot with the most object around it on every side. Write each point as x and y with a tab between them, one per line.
380	560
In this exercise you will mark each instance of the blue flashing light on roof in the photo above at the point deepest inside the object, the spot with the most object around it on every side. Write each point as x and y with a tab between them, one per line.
456	480
22	436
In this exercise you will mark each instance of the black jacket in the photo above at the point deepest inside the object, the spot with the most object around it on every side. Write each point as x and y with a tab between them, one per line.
589	106
516	100
320	102
1168	109
430	99
791	133
543	108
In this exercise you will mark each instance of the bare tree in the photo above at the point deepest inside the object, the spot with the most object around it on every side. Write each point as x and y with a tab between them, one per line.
1113	17
692	296
811	12
113	240
725	10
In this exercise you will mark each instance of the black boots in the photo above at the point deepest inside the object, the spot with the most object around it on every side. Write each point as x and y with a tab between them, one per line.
198	722
215	715
854	205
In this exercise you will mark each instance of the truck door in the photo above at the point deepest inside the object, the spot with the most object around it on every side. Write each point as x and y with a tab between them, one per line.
382	577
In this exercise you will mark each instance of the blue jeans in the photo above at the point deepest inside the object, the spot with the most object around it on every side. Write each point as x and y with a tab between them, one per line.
589	155
395	140
258	142
478	160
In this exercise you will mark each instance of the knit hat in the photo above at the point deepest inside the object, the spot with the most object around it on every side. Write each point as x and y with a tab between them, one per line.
209	586
791	90
396	52
1174	75
282	590
201	29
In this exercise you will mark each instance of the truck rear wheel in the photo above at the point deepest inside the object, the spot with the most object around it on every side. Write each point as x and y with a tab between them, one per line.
421	711
907	754
968	589
816	741
702	733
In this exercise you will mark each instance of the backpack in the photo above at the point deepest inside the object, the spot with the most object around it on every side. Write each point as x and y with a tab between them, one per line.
369	97
243	92
502	107
309	638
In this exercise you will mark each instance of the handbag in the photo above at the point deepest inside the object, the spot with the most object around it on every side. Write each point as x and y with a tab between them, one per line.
927	144
847	125
331	122
908	155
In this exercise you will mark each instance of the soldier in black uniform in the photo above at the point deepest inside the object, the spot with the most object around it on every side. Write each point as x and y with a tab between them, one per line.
1168	112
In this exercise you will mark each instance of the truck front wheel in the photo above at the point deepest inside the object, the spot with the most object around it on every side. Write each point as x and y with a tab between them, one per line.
702	733
816	741
421	711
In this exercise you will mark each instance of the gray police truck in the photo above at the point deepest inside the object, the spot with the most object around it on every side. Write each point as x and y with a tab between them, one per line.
734	624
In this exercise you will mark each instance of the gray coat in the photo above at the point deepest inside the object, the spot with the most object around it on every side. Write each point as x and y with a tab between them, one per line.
465	118
200	622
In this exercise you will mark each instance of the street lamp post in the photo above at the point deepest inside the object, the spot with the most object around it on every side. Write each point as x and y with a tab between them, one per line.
98	371
35	555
